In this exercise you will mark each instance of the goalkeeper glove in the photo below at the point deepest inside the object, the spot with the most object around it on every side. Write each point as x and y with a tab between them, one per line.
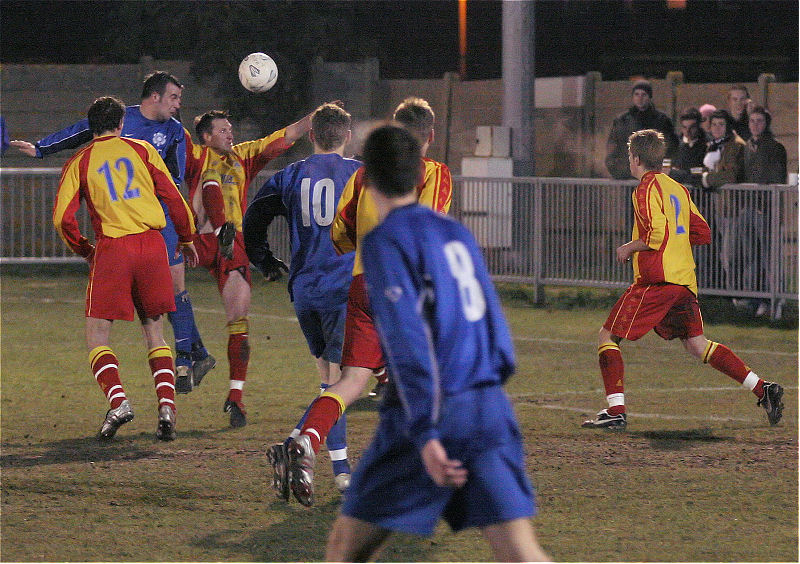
226	236
271	268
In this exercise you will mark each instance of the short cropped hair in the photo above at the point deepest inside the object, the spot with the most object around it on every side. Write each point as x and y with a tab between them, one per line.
691	113
741	87
764	112
392	160
416	115
157	82
204	123
105	114
723	114
330	124
649	146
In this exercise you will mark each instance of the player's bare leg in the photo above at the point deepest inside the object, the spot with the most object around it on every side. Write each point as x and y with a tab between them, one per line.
353	540
236	300
514	541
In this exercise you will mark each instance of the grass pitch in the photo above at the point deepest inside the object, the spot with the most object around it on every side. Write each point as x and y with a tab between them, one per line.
699	475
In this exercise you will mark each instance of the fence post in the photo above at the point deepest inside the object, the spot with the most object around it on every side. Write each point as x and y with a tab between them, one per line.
536	248
775	250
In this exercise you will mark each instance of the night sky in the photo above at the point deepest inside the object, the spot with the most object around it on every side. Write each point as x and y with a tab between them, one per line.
710	40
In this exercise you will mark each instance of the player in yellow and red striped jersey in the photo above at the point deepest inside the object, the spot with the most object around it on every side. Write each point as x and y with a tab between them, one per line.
218	174
663	296
121	181
362	356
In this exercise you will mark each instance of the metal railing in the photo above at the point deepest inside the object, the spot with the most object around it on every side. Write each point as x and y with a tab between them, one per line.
538	231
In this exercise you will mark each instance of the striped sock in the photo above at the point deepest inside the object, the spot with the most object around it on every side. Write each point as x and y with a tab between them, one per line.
105	369
163	370
322	416
613	371
725	360
238	358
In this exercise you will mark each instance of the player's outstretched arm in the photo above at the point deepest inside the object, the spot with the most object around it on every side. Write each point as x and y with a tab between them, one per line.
24	147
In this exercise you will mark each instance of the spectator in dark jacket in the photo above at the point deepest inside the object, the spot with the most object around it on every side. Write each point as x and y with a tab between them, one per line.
764	157
641	115
738	100
687	165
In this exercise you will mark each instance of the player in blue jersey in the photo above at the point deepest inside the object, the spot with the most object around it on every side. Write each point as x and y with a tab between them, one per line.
154	121
447	444
307	193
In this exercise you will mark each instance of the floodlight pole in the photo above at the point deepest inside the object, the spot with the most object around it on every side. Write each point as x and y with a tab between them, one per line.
519	81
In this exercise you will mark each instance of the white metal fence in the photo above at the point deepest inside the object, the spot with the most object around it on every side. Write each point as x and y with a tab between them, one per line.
539	231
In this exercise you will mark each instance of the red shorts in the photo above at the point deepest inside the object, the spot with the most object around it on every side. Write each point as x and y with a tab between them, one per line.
362	346
130	272
671	310
207	246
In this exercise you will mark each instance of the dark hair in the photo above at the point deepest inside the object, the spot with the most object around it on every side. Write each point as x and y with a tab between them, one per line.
649	146
392	160
204	123
416	115
764	112
157	82
723	114
643	85
105	114
741	87
691	113
330	124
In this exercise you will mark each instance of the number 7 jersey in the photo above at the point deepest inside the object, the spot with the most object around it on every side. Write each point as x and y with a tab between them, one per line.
667	220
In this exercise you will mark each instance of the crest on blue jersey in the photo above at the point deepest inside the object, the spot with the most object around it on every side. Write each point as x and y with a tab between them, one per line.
159	139
393	293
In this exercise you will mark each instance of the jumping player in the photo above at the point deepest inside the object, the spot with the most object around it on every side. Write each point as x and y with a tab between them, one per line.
307	193
218	174
447	444
361	353
122	181
155	121
663	295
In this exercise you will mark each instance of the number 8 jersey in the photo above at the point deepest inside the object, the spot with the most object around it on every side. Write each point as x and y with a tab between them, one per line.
121	181
666	220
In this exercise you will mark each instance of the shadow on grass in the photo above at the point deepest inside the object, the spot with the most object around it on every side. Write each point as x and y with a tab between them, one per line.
87	449
302	536
364	404
677	440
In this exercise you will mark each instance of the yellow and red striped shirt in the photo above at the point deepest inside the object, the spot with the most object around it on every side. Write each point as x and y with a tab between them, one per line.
666	220
357	214
121	180
236	170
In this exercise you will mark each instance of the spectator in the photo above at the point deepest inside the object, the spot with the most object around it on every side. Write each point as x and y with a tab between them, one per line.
764	163
724	164
691	149
738	100
706	110
641	115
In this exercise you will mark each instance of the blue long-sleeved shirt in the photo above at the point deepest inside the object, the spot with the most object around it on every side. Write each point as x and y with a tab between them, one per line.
441	323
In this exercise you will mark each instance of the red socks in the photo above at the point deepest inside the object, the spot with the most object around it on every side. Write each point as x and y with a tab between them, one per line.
238	358
105	368
725	360
613	371
163	370
323	414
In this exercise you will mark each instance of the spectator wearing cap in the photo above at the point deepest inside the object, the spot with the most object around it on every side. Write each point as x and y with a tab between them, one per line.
764	163
706	110
692	148
641	115
738	102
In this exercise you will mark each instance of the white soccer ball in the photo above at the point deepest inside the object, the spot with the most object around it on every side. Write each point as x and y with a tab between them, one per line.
258	72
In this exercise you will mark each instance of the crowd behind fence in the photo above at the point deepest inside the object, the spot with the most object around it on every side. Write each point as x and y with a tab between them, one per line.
538	231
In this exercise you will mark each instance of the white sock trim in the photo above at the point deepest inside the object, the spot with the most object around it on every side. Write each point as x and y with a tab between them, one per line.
115	396
295	433
167	384
615	399
158	373
338	454
236	384
750	381
96	374
314	432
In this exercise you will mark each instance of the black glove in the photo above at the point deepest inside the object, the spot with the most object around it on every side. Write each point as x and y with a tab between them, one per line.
226	236
271	268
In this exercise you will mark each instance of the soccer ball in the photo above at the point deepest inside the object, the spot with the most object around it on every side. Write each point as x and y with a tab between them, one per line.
258	72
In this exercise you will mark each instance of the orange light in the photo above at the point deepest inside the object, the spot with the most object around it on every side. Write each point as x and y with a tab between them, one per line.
462	38
676	4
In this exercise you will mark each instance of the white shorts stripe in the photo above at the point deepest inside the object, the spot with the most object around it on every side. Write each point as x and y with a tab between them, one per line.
338	454
236	384
157	373
97	374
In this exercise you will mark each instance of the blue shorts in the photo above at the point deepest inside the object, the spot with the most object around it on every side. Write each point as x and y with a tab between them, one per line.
391	489
323	329
171	239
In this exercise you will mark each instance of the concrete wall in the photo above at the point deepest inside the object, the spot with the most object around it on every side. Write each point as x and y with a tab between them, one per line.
572	120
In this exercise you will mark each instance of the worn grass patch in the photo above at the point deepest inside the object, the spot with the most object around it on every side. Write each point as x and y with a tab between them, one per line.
698	476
